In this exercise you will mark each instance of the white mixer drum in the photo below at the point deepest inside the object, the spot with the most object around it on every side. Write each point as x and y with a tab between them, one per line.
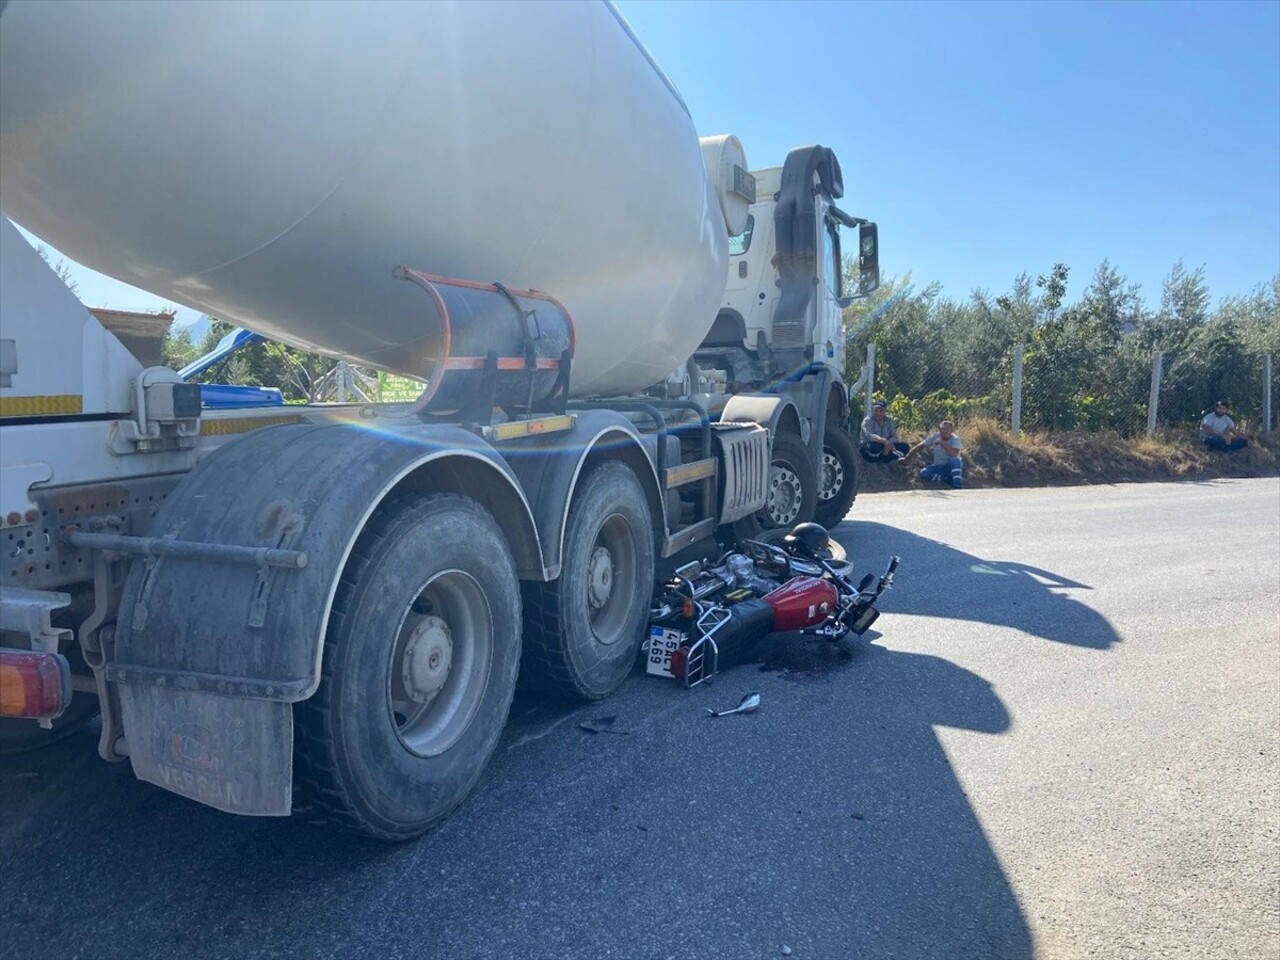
271	163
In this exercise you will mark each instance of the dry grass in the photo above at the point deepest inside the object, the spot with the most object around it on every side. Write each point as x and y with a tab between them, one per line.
993	458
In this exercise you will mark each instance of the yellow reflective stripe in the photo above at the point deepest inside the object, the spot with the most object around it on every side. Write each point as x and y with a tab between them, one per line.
223	428
515	429
689	472
41	406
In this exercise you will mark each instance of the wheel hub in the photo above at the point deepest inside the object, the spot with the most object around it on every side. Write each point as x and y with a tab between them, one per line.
600	577
832	476
427	658
784	496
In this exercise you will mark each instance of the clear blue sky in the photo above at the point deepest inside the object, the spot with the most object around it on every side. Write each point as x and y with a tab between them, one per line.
991	138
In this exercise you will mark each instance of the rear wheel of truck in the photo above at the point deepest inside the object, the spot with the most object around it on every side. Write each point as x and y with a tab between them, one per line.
583	630
837	476
792	490
419	668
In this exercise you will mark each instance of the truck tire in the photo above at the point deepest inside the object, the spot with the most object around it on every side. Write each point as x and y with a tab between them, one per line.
583	630
793	489
419	668
837	476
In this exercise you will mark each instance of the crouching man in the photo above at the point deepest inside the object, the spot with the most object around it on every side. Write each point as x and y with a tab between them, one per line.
945	448
880	437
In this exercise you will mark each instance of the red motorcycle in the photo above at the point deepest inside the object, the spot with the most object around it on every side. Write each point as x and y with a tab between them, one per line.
804	585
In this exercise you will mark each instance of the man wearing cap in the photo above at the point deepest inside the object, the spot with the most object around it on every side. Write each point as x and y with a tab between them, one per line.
880	437
1218	431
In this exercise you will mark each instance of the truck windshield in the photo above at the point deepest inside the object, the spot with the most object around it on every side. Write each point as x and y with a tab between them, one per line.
742	242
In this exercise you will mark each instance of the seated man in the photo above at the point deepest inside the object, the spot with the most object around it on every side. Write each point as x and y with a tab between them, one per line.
880	437
945	447
1218	431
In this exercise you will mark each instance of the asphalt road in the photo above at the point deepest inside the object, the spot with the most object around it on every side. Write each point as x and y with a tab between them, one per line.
1066	743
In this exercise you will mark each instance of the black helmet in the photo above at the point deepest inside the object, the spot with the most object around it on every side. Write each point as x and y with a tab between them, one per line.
807	538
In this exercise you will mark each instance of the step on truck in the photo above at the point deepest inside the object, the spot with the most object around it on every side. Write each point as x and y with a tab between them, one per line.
325	609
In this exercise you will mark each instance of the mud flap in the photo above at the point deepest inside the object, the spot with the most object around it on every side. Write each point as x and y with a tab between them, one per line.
232	753
211	655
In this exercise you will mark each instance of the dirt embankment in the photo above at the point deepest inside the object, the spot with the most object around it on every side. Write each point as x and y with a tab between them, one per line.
993	458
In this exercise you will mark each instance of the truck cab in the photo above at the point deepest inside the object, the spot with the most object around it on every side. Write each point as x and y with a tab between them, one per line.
753	290
776	350
784	302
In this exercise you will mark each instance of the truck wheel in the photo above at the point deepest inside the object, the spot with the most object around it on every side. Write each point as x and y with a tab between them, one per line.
583	630
837	476
793	489
420	663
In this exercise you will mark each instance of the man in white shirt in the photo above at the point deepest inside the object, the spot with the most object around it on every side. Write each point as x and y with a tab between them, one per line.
1218	431
945	447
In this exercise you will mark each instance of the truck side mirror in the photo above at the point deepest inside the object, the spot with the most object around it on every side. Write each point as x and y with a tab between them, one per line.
868	259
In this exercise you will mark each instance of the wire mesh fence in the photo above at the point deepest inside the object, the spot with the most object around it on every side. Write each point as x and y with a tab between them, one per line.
924	381
1070	389
1129	389
1189	387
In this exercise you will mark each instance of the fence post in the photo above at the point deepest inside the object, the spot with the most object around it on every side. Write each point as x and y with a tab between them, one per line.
1153	403
871	377
1266	394
1016	425
341	377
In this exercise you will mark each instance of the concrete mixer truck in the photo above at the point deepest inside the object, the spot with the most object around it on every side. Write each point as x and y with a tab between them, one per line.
325	609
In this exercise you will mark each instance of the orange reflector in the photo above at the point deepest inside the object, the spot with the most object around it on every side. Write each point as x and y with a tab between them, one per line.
36	685
687	608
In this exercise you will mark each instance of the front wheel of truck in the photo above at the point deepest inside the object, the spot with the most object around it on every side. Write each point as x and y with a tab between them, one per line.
419	668
837	476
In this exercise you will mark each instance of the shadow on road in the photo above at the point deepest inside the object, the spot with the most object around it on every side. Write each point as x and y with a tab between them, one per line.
831	821
940	581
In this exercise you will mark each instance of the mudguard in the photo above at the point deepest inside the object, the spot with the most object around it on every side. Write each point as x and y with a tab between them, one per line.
211	655
807	398
772	410
812	396
548	468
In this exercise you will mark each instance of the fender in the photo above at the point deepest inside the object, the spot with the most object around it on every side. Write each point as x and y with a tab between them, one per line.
550	466
818	391
210	655
776	411
810	397
813	395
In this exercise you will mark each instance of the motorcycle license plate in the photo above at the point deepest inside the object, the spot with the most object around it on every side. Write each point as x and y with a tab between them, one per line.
663	643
